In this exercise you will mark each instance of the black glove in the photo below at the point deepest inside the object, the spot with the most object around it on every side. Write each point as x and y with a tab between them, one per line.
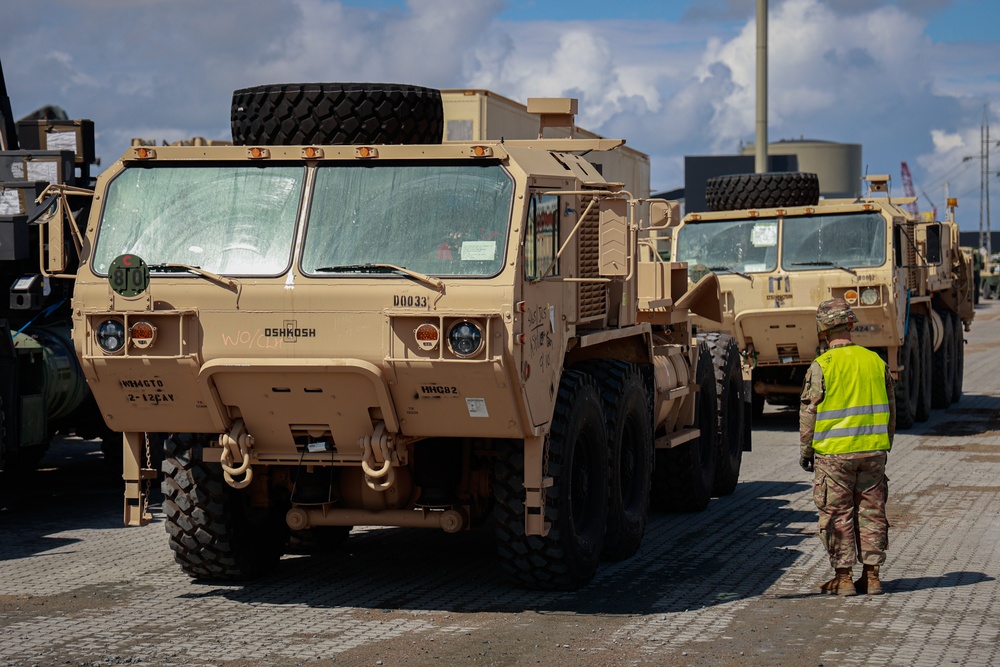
807	463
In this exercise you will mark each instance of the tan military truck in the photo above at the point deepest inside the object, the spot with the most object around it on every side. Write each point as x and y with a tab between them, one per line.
778	251
342	321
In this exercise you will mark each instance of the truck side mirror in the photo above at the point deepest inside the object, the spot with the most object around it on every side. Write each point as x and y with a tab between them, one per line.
48	216
933	235
664	214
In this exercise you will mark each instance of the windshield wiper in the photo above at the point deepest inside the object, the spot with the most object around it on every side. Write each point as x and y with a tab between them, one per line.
197	270
384	268
833	264
729	270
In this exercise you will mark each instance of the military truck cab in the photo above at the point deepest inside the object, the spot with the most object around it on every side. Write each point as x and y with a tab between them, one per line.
905	278
402	333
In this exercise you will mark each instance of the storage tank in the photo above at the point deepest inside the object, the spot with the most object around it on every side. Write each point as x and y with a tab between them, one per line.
838	165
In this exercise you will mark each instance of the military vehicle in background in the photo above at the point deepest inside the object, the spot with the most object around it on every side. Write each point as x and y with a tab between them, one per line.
342	320
779	251
45	162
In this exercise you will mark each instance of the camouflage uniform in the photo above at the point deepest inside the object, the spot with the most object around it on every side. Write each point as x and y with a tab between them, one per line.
850	489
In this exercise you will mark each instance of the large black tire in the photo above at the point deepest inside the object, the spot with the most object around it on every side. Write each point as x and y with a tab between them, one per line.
743	191
212	529
629	420
943	370
731	410
908	385
959	339
336	113
576	504
925	339
684	476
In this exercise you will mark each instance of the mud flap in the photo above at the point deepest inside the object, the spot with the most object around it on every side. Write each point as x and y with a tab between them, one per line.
535	483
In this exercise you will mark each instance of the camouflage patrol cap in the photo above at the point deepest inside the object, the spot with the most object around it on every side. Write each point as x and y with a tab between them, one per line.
833	315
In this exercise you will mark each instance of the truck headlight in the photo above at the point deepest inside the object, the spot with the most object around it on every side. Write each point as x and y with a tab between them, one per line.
465	338
869	296
110	335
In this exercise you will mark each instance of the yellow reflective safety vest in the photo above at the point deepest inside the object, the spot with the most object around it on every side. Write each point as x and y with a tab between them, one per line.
854	413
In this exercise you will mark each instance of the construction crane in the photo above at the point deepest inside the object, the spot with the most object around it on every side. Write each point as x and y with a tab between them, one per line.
908	190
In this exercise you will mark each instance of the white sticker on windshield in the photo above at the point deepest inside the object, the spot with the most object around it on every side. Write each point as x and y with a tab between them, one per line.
473	251
754	268
197	249
764	235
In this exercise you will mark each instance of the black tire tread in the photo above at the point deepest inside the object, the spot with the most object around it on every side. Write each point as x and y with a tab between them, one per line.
959	339
211	535
535	561
907	387
926	341
293	114
737	192
731	410
943	368
622	385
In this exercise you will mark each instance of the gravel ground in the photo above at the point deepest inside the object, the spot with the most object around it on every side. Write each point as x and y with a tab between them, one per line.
734	585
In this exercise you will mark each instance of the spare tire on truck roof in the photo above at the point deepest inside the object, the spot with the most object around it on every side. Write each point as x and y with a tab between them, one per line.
291	114
744	191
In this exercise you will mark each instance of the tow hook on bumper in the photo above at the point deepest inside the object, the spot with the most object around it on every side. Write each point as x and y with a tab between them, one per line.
237	443
377	459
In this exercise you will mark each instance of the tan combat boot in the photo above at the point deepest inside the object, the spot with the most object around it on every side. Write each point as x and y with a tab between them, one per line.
869	583
841	583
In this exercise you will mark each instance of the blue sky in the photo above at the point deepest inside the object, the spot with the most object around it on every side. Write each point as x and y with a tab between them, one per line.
910	80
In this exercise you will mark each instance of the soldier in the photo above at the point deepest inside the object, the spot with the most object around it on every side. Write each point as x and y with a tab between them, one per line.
847	419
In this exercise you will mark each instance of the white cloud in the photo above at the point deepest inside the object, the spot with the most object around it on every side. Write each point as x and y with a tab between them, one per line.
946	141
840	70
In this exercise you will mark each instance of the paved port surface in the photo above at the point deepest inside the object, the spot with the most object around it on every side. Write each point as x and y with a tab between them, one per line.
733	585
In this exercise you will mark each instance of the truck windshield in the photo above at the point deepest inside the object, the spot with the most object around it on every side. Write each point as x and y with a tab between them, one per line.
436	218
844	240
737	246
231	220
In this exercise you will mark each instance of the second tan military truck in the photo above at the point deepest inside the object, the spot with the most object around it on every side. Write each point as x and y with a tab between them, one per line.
779	251
345	321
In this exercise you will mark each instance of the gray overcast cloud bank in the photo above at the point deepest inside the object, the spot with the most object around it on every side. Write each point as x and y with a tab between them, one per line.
839	71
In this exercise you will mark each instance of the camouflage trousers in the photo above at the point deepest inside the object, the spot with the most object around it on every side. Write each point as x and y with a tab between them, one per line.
850	492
